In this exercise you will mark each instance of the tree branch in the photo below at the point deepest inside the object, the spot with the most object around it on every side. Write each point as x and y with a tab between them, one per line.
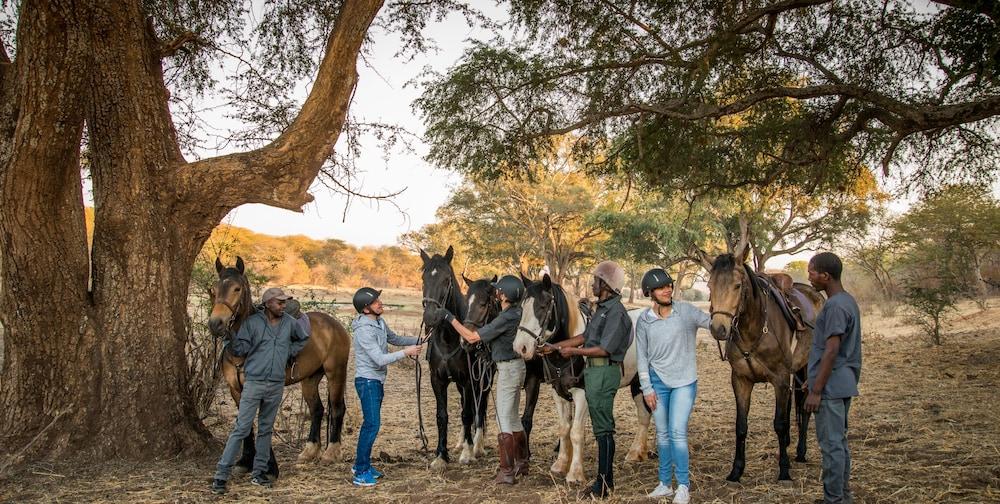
279	174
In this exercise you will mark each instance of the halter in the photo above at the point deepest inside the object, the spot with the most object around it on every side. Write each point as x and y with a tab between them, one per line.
540	337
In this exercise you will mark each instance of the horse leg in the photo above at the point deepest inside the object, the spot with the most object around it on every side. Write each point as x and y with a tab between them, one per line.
468	420
532	385
310	393
639	450
440	387
336	381
576	435
272	466
478	441
742	388
801	416
564	415
782	425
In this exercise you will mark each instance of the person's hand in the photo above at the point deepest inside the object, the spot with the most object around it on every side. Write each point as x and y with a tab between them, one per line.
444	314
650	400
413	350
812	402
567	351
547	348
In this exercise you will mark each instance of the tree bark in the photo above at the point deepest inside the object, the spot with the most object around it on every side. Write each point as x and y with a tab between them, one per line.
108	358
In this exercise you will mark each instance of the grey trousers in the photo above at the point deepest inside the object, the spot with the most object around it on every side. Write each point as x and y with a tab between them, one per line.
262	396
510	380
831	432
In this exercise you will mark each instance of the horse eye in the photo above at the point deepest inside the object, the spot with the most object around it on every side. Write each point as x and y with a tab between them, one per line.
736	287
237	289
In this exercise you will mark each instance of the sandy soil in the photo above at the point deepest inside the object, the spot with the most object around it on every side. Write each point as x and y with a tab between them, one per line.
924	430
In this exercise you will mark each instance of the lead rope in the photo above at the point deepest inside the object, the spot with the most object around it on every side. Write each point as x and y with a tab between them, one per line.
418	370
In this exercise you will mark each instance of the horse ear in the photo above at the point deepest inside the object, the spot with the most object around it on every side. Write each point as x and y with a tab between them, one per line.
741	255
449	254
494	279
239	264
524	279
547	282
701	257
467	281
424	257
218	266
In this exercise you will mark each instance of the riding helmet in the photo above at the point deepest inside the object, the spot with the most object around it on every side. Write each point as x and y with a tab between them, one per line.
654	279
511	286
612	274
364	297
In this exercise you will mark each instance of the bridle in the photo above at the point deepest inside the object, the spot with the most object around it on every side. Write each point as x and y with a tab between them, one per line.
541	336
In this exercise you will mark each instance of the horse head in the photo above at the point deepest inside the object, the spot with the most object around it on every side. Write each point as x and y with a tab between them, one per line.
481	303
539	316
730	287
440	287
231	301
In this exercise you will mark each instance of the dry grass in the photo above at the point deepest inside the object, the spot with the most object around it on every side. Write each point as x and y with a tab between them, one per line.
924	430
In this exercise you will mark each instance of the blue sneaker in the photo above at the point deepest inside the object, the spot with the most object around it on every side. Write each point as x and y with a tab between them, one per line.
365	479
375	472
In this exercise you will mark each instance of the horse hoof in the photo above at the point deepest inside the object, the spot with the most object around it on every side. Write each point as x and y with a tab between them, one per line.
439	465
785	481
332	453
309	453
576	479
732	480
558	468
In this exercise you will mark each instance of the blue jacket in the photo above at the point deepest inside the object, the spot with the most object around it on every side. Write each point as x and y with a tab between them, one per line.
371	349
266	347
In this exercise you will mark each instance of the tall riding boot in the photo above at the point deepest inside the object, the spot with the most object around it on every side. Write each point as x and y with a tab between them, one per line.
505	448
520	454
605	480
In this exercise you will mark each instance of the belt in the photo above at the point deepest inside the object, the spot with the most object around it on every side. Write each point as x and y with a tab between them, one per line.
601	362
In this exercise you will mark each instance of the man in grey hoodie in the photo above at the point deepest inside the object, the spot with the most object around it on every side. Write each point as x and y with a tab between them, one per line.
267	339
371	360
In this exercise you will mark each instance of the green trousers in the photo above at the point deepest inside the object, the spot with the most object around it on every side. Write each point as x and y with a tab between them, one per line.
601	384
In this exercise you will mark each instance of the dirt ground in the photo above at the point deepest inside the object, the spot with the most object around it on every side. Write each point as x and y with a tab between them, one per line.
925	429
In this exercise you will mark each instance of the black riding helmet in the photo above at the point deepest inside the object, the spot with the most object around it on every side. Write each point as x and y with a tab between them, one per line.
364	297
511	286
654	279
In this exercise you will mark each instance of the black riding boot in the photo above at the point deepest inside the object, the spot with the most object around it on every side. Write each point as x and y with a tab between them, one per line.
605	481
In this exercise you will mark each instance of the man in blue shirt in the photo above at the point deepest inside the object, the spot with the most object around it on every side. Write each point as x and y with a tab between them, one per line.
834	372
267	339
371	360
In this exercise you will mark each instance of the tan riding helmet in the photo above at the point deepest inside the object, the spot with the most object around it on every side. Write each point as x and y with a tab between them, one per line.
612	274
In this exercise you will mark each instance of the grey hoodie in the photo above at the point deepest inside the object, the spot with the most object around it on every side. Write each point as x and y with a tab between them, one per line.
667	346
371	349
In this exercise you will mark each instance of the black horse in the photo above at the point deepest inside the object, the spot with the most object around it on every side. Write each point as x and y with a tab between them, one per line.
483	306
450	360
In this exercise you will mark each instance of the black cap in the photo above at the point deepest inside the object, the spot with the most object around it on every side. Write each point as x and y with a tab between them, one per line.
511	286
364	297
654	279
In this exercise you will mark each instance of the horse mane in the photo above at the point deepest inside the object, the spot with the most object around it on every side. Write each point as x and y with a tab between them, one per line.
724	263
752	278
569	314
246	300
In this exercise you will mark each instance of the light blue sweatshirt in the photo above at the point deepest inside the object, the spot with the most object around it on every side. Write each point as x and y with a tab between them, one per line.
371	349
667	345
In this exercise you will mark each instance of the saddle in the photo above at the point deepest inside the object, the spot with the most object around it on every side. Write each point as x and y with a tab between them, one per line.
796	309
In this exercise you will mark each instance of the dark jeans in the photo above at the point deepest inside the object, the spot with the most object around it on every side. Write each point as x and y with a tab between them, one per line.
263	396
370	392
831	432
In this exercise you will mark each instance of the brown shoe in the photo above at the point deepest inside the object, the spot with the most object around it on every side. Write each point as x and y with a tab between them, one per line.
520	454
506	450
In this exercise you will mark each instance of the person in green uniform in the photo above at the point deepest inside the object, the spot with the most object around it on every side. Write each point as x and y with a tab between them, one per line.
605	341
512	444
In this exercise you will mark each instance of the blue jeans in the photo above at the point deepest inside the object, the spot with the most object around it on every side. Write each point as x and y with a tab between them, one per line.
371	393
673	409
257	396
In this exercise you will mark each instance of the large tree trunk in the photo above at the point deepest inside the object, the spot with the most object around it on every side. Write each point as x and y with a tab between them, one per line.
101	367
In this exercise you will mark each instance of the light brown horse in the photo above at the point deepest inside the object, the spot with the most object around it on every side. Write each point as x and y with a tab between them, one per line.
325	354
762	347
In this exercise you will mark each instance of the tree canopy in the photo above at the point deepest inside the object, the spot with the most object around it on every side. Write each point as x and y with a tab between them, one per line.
813	83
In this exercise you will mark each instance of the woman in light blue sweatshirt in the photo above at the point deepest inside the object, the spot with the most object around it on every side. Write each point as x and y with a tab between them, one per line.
665	348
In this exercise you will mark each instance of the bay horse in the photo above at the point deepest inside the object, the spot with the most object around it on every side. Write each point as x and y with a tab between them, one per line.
450	360
325	354
483	306
762	347
549	317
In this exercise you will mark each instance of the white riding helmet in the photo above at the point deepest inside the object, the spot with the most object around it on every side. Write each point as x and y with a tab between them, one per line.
612	274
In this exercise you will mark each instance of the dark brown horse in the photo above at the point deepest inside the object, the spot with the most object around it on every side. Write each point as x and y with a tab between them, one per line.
325	354
762	347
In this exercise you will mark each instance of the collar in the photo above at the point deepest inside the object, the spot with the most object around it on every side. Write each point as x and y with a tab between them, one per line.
606	302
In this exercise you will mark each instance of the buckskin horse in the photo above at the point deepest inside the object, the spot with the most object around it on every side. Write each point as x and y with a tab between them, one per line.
548	317
325	354
450	360
760	334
